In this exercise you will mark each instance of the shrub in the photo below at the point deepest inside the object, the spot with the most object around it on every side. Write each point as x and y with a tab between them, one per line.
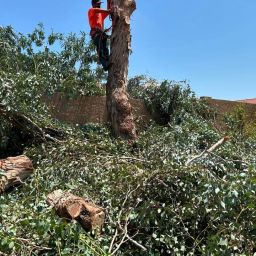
240	125
169	100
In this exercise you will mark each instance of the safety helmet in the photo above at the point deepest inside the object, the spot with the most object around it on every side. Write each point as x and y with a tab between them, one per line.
96	2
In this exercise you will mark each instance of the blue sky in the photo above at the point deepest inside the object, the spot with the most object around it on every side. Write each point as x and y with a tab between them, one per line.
210	43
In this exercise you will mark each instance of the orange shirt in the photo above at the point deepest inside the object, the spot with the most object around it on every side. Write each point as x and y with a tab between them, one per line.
96	17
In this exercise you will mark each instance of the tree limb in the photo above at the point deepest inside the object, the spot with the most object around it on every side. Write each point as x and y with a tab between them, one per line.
22	121
208	151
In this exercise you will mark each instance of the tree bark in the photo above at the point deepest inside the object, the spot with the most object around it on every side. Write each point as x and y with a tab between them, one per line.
118	105
14	170
72	207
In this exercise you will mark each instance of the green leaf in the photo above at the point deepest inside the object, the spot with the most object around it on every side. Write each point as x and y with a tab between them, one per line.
223	242
11	245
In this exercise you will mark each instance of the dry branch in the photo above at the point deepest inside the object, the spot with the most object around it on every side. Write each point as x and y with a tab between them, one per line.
72	207
26	124
14	170
30	243
122	230
208	151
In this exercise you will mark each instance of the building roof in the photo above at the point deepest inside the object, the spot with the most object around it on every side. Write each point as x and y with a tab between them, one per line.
251	101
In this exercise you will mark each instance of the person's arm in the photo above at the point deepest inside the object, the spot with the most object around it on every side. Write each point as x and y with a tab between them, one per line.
103	12
99	10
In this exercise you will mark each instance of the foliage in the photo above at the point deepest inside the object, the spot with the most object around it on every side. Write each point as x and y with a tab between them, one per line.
153	199
171	209
240	125
36	64
168	100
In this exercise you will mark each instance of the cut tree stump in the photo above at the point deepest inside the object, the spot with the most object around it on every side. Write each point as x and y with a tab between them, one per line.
14	170
71	207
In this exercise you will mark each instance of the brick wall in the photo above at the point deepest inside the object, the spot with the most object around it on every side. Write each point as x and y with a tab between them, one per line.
223	106
85	109
92	109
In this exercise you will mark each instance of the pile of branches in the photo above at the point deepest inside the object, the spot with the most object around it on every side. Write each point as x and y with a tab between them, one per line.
182	189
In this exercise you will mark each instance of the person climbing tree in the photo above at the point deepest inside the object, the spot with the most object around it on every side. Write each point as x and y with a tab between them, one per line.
99	37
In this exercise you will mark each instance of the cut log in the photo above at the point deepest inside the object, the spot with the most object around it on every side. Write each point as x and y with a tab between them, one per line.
14	170
71	207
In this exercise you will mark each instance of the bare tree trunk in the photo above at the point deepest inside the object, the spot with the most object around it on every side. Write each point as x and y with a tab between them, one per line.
14	170
72	207
118	105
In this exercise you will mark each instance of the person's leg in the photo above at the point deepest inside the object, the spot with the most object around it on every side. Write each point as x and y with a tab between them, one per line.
105	52
96	42
105	46
100	41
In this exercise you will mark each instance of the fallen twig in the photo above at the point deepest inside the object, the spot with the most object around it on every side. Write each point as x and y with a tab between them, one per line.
32	244
136	243
112	241
129	158
124	229
208	151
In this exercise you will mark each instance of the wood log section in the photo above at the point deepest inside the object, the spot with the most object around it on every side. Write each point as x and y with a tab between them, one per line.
14	170
71	207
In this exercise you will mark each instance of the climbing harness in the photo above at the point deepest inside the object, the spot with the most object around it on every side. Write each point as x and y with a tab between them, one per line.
108	29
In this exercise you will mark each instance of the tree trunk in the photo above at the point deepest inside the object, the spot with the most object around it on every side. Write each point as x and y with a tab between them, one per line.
72	207
118	105
14	170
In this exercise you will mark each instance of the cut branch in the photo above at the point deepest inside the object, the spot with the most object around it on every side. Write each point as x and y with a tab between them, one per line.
72	207
14	170
24	123
208	151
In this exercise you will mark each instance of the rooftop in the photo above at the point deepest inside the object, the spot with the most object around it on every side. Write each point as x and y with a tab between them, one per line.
251	101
